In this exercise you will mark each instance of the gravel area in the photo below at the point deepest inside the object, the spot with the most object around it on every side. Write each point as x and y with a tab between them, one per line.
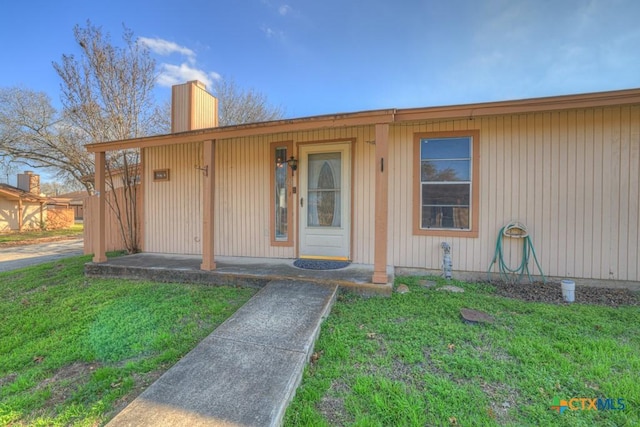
550	293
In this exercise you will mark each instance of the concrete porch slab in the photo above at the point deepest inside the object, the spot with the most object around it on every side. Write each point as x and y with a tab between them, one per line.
235	271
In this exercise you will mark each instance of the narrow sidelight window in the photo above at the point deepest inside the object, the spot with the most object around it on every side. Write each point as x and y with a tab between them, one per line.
281	224
281	213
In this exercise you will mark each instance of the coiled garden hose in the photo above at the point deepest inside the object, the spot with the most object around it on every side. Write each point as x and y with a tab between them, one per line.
515	230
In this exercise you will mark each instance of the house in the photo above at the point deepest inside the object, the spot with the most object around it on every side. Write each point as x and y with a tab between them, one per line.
388	187
60	213
76	202
22	207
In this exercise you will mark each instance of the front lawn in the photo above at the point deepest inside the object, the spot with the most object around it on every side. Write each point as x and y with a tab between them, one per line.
410	360
35	236
74	351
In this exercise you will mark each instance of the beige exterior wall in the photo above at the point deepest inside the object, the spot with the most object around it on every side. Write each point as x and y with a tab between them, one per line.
173	211
243	202
8	215
173	208
192	107
30	215
571	177
113	230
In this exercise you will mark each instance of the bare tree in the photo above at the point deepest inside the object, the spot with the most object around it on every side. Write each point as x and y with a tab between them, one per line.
107	94
7	167
55	188
238	106
33	133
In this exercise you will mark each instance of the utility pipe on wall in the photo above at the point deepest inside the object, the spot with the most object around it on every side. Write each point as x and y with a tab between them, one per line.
447	264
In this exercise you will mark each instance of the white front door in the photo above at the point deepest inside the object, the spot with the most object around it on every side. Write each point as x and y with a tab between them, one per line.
325	201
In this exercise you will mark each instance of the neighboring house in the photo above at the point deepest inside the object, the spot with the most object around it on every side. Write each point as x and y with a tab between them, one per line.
22	207
387	187
76	201
60	213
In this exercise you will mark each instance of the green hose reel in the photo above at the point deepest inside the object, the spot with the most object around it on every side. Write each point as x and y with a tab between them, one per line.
515	230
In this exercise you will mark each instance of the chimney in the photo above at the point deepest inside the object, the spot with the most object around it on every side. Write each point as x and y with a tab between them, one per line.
29	181
192	107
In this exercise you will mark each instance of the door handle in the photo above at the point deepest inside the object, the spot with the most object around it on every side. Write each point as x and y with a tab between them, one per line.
301	201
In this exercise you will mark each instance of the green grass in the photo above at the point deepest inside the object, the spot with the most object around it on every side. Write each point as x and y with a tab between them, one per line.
32	236
410	360
74	350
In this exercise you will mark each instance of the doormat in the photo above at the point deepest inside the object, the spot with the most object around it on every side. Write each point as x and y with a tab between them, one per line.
320	264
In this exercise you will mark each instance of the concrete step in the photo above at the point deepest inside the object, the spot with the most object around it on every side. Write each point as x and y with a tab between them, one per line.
245	372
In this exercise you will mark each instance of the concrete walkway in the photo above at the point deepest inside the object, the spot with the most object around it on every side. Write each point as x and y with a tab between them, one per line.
246	372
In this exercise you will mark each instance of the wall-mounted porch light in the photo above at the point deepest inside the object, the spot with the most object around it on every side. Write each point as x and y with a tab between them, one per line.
292	162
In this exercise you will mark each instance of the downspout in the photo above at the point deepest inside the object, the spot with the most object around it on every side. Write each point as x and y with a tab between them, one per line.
447	264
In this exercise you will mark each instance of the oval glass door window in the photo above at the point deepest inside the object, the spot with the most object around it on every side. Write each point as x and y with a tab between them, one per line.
324	190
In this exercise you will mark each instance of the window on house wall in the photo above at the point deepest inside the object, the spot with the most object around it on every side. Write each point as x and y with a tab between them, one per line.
446	183
281	195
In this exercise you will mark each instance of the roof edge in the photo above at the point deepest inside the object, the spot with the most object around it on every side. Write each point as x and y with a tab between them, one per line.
18	193
528	105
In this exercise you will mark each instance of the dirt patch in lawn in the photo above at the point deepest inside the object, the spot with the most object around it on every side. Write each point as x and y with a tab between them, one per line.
64	383
8	379
68	379
550	292
141	383
332	407
502	400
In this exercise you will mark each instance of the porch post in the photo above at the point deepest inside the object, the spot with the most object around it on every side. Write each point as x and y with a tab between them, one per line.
381	205
99	251
208	259
20	215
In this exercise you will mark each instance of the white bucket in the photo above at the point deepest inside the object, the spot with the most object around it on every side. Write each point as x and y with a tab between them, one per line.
568	290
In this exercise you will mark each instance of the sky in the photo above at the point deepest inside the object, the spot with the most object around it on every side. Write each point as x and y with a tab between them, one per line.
316	57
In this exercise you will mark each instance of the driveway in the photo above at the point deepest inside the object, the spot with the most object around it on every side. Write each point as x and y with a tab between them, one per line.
15	257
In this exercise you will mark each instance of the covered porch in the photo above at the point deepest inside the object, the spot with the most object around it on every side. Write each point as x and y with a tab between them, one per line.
205	188
235	271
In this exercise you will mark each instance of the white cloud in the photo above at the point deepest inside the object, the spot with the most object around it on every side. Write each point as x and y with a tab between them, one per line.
166	47
272	33
171	74
284	9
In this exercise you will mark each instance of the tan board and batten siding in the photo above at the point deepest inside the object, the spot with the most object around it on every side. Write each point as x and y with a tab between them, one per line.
173	207
572	177
242	195
113	233
192	107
